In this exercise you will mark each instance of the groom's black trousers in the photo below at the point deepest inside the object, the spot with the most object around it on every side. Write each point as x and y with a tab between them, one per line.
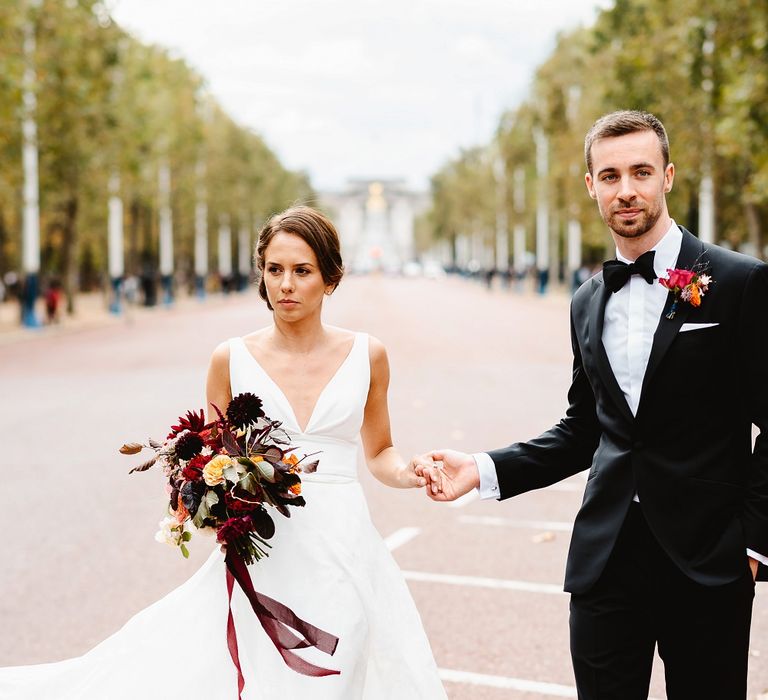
643	599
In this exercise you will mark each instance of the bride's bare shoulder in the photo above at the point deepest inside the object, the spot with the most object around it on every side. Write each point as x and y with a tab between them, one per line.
344	335
220	355
256	338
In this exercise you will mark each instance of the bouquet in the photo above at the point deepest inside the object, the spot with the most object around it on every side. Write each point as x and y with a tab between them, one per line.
223	476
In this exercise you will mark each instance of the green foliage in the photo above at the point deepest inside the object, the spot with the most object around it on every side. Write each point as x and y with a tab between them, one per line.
108	104
701	67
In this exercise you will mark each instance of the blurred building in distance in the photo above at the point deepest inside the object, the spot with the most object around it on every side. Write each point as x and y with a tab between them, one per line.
376	220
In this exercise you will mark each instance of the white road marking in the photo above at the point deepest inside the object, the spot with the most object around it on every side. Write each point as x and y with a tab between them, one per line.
483	582
400	537
469	678
468	497
554	690
507	522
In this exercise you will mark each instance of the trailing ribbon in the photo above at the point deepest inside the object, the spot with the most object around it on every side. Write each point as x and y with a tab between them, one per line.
277	620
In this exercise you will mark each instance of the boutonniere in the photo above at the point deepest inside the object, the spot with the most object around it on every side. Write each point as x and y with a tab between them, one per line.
688	286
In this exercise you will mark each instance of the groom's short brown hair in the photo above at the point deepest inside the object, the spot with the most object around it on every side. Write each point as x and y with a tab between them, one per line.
625	121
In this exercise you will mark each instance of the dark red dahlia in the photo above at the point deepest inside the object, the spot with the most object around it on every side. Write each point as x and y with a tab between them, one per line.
191	473
188	445
241	505
244	409
234	529
194	422
200	461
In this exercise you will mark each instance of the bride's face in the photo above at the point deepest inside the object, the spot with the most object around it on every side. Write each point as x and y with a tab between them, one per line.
292	276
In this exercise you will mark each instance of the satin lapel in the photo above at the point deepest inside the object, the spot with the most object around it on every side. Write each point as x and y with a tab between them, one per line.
596	319
691	249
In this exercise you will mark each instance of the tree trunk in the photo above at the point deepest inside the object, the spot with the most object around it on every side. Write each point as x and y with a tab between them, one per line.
134	224
70	252
3	244
754	230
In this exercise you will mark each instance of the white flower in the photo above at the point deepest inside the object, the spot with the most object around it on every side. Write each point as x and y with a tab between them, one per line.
704	281
169	532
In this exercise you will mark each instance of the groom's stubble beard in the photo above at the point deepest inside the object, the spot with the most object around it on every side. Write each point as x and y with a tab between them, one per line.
643	223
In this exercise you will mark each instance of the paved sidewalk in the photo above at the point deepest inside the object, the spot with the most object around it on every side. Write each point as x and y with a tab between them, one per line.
92	311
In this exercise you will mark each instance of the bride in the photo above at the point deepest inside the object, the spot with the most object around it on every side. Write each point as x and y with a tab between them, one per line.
328	564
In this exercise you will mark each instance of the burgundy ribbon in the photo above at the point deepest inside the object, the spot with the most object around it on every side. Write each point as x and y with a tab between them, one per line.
277	620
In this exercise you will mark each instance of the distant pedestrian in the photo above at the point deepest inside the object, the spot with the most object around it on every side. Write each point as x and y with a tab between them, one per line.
53	301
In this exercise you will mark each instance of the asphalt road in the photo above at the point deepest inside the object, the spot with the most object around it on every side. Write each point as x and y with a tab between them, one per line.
471	369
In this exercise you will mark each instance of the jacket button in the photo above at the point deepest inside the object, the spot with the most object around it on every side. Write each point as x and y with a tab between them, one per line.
638	445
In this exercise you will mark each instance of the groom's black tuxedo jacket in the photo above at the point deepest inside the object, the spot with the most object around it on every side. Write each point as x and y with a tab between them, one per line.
688	451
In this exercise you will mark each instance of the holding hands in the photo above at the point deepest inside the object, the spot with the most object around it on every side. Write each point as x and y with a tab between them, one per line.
448	474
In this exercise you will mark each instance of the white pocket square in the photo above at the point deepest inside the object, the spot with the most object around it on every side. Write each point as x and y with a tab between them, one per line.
696	326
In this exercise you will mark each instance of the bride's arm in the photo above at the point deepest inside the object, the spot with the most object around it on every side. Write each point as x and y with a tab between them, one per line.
217	385
383	460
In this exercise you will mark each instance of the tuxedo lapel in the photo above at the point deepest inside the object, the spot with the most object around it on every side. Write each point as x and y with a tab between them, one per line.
691	250
596	320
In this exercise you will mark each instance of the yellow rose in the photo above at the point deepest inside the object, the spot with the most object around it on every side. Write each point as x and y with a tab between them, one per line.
213	472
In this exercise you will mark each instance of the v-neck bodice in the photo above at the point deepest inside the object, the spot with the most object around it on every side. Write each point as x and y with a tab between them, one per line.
334	425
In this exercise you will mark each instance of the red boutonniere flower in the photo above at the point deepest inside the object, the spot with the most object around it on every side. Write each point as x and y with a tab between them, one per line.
687	285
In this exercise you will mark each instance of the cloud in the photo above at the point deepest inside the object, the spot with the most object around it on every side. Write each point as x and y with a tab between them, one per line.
344	88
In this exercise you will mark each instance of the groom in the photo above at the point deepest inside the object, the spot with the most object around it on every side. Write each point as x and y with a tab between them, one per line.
665	391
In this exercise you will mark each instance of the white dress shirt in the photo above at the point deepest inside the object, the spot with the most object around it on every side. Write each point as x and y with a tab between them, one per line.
631	317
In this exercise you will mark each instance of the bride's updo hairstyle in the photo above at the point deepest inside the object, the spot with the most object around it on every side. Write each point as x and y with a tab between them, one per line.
316	230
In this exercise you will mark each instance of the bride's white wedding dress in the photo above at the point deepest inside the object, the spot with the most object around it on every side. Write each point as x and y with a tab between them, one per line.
328	564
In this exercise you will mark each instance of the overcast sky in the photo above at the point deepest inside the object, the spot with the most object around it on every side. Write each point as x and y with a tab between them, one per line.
361	88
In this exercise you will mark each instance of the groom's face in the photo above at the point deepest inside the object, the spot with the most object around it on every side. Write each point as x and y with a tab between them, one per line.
629	182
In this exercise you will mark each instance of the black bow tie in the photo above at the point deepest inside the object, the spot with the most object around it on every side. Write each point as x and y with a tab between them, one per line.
616	273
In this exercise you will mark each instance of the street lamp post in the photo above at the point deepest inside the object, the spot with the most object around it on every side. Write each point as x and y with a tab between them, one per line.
542	208
707	185
115	243
225	254
166	231
203	107
201	232
243	253
502	223
31	191
518	233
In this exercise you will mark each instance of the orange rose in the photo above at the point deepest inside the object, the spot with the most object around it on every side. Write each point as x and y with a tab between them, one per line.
296	489
213	472
181	513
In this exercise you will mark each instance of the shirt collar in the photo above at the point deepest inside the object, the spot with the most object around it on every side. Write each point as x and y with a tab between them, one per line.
667	251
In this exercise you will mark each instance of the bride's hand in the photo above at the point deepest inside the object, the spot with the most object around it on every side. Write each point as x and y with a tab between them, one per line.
424	468
415	474
456	474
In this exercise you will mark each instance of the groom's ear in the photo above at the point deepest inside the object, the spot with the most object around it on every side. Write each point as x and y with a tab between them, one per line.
669	177
590	185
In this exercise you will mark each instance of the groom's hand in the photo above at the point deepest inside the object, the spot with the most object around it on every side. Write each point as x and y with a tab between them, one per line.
456	475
